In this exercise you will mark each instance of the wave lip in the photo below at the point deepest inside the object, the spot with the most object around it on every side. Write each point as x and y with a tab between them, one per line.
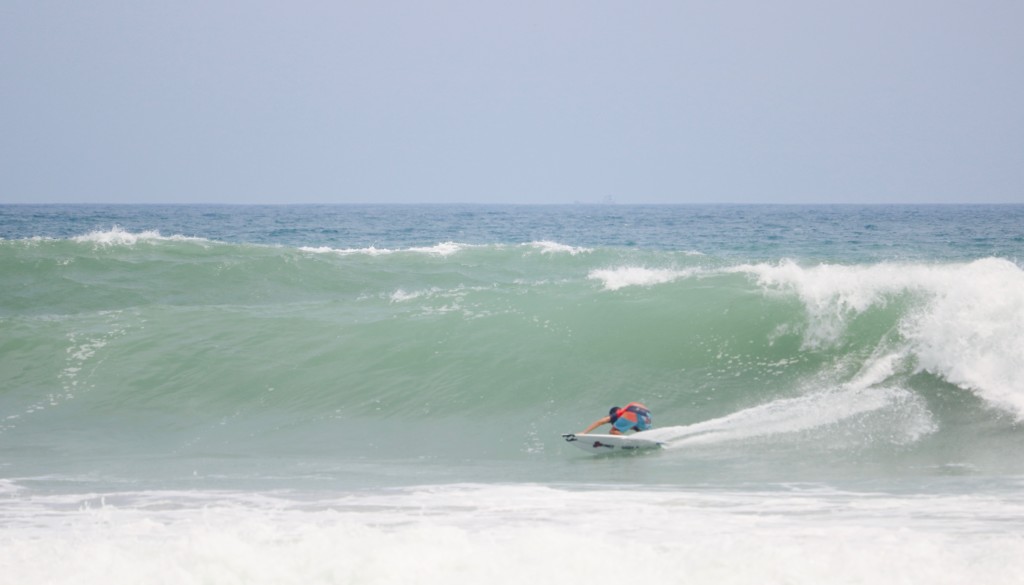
450	248
443	249
118	236
964	322
972	333
368	251
549	247
626	276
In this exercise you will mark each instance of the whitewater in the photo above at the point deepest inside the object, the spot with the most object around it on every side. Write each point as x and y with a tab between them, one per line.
376	394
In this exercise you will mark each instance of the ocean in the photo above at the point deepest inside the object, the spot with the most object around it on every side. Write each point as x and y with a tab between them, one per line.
376	394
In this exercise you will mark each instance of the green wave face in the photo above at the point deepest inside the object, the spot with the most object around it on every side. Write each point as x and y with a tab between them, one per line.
128	349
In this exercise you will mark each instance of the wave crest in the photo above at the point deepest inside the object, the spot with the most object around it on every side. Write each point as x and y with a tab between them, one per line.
964	322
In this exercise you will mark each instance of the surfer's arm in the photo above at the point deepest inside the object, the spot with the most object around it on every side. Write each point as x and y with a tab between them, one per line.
597	423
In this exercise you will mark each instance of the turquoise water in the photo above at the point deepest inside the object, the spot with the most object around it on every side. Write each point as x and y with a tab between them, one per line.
402	375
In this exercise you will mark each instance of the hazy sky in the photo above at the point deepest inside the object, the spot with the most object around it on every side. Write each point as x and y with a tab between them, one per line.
512	102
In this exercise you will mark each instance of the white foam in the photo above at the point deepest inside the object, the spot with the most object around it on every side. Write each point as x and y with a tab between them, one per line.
401	296
547	247
817	410
972	332
318	249
369	251
967	327
443	249
8	487
624	276
512	534
832	294
118	236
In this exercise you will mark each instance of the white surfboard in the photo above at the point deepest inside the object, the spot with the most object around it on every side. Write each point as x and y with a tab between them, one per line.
598	444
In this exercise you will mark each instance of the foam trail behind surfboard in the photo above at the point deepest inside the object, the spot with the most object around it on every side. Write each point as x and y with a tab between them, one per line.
804	413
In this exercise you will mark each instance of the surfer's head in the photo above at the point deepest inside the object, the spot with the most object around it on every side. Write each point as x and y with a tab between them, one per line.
613	413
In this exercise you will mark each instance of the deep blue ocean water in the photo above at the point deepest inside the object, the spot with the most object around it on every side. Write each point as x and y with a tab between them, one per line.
757	232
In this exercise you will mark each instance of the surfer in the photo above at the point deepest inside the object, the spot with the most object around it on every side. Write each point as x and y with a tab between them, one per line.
634	416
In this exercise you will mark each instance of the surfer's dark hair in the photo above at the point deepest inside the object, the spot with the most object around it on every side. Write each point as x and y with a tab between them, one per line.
613	413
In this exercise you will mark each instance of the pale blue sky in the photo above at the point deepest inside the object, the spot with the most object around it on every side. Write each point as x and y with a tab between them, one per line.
512	102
